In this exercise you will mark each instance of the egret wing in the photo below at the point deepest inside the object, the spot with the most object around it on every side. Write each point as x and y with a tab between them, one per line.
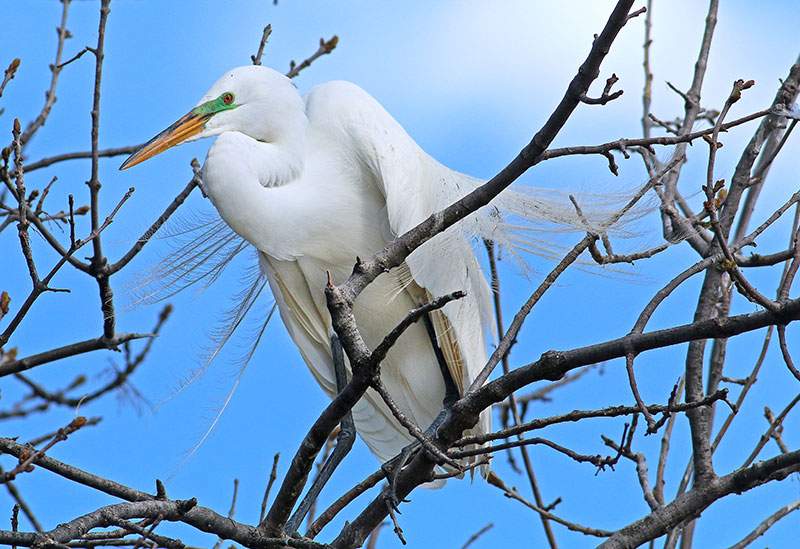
416	186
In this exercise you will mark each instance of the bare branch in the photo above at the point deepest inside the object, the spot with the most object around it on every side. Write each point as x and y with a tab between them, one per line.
272	476
41	286
257	57
695	501
623	144
474	537
383	347
27	457
514	494
158	223
9	74
325	47
55	69
22	364
607	95
50	160
766	524
343	501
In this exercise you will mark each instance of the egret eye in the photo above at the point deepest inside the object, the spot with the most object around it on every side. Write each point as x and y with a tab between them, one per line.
227	98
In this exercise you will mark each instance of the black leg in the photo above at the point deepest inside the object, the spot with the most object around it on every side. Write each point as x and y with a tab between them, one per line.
451	394
344	441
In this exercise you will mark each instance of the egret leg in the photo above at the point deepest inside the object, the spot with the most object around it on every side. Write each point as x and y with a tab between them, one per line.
344	441
451	394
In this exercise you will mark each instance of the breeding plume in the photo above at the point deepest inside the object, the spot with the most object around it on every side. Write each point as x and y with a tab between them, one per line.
314	181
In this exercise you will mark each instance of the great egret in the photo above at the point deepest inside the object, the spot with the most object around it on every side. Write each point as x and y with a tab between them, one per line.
313	182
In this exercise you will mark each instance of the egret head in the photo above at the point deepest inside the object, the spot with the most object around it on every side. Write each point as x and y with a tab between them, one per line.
253	100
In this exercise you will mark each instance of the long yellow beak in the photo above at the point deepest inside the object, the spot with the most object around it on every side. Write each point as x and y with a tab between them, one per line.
180	131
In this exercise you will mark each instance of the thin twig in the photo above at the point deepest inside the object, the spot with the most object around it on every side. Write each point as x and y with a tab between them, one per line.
272	476
515	413
25	461
231	511
98	261
766	524
50	160
9	74
412	428
658	490
391	338
23	506
772	427
257	57
325	47
55	69
606	96
474	537
514	494
343	501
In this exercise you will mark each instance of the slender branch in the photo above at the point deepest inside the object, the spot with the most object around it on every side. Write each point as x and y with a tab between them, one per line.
41	286
391	338
775	424
257	57
647	91
512	401
474	537
673	225
43	438
158	223
651	423
50	160
22	364
787	357
27	457
232	509
577	415
55	69
412	428
606	96
647	142
272	476
343	501
658	491
514	494
693	503
325	47
505	343
597	460
120	378
98	260
75	57
9	73
766	524
23	506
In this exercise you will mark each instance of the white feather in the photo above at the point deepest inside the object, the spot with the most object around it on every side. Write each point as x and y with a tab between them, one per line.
312	183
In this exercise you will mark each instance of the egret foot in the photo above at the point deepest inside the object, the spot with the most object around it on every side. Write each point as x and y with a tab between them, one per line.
451	394
393	467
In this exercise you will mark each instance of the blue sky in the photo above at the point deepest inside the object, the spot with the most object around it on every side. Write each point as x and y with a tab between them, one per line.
471	82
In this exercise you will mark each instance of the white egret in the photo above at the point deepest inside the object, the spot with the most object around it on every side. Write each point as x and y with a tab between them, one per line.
313	182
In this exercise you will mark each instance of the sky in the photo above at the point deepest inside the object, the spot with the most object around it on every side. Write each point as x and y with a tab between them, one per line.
471	82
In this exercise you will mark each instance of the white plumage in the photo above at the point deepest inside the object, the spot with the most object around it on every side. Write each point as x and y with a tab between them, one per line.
313	182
